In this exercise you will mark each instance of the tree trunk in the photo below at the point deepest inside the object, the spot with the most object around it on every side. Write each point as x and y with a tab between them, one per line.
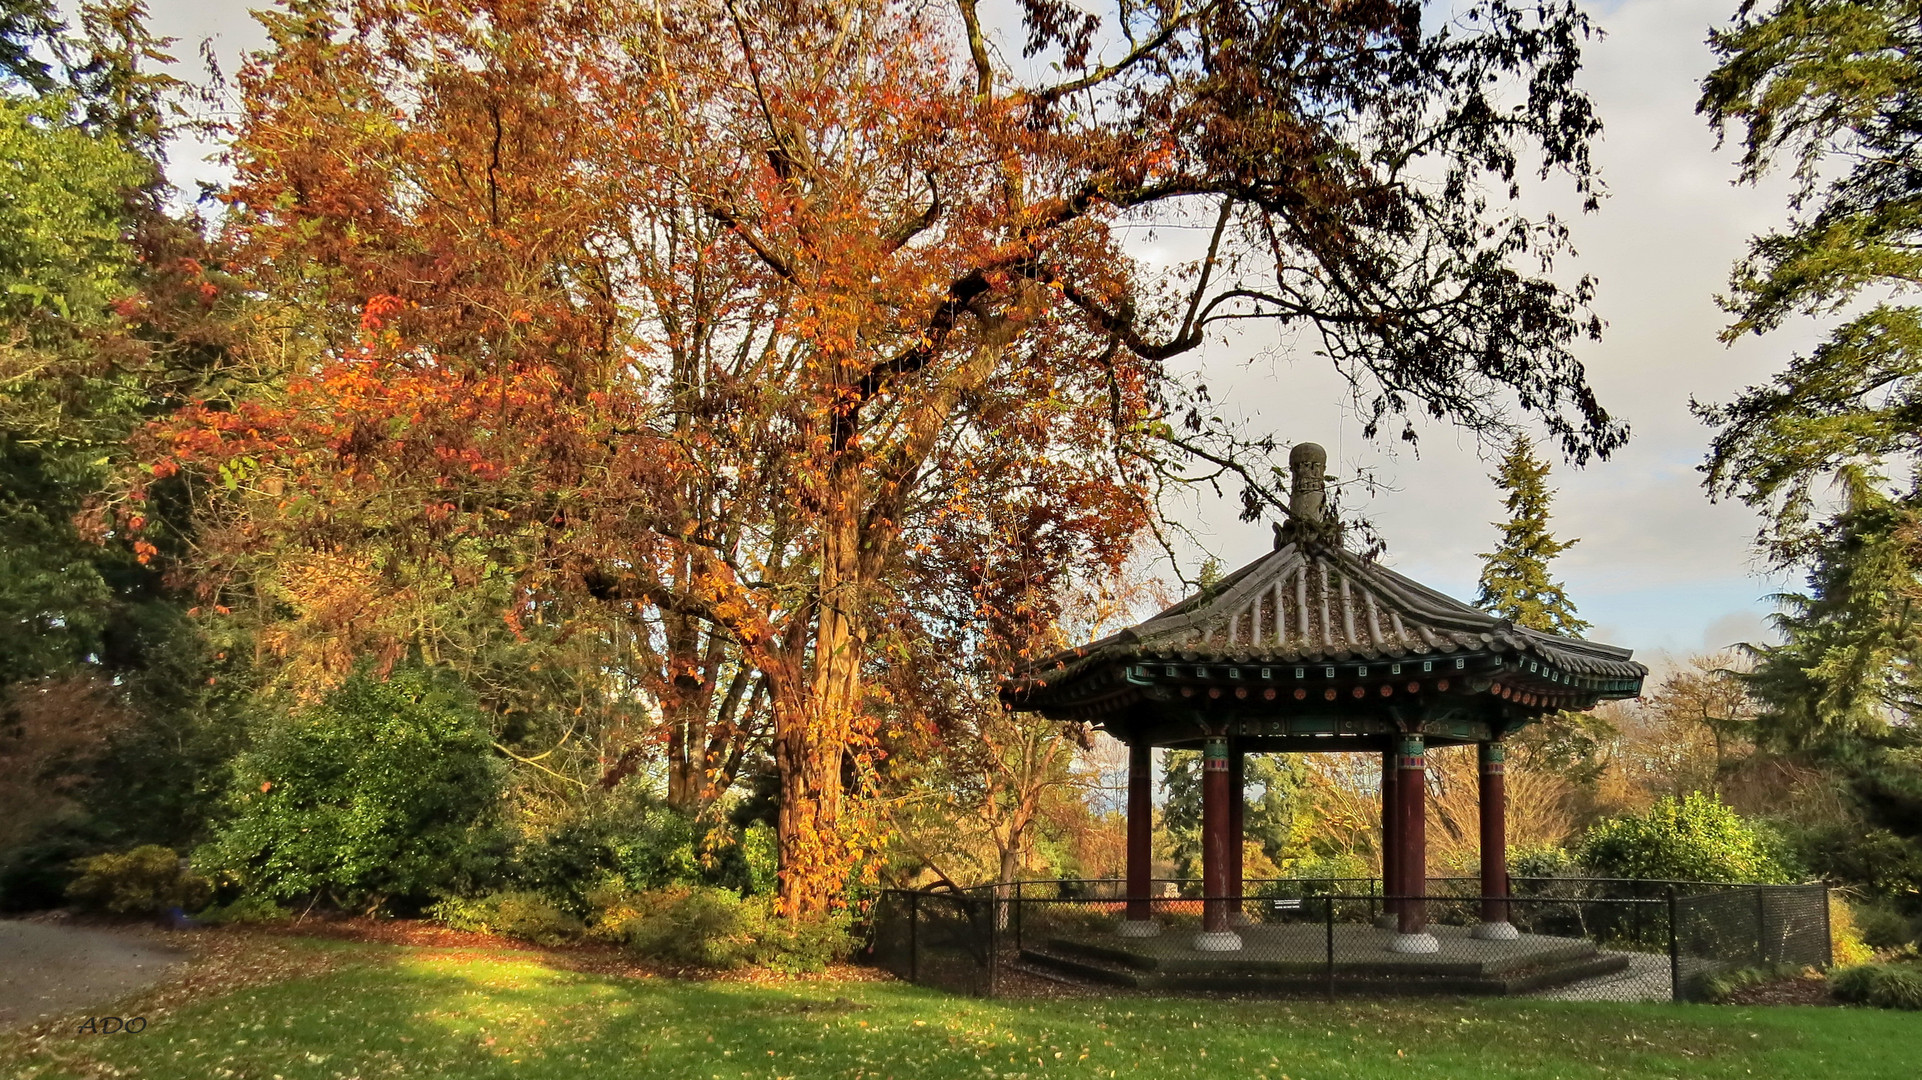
1011	858
812	735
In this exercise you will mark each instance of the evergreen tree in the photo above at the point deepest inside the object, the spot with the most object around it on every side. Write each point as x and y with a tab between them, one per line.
1846	664
116	711
1515	582
1828	87
1275	816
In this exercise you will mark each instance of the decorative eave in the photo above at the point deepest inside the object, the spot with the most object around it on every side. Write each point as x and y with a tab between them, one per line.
1313	626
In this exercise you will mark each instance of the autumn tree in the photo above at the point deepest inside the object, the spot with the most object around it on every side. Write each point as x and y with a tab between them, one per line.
716	314
1539	811
1709	697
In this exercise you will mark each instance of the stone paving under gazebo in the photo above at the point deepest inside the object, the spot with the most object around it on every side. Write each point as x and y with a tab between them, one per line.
1295	956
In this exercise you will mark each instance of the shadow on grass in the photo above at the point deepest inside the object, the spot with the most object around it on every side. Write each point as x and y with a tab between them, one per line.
475	1013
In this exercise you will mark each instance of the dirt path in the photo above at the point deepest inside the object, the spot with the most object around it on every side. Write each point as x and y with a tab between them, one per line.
53	970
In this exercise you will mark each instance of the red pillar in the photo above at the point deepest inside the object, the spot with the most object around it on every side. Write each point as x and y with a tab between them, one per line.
1390	879
1411	810
1141	809
1237	823
1494	814
1215	864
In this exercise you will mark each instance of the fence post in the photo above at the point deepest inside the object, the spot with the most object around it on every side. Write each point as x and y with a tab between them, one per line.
914	937
1761	926
1674	949
1018	906
1328	969
994	939
1828	931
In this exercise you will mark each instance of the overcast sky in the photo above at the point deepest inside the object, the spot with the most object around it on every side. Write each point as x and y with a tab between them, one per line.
1659	568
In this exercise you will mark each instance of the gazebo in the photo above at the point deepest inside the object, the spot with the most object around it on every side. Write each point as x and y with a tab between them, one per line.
1312	648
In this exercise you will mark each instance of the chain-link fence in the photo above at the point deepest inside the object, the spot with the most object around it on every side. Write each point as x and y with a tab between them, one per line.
946	939
1560	938
1749	927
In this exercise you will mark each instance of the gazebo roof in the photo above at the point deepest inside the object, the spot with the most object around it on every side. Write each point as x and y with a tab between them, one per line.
1313	627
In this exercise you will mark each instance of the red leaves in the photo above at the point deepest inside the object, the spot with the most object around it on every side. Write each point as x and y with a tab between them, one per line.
377	308
588	308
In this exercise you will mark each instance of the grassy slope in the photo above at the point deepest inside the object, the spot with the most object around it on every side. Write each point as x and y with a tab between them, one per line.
409	1012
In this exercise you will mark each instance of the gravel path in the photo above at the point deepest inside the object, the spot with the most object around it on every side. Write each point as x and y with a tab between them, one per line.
49	970
1645	979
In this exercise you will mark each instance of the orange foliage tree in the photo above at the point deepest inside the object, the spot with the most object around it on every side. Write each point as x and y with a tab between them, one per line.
744	317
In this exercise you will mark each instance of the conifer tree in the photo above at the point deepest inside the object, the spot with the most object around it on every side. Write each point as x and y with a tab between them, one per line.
1846	663
1515	582
1827	89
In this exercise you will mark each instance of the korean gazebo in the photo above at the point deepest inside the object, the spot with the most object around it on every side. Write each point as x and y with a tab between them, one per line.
1312	648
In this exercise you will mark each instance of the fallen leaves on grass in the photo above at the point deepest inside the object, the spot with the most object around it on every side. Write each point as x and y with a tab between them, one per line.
219	963
1808	988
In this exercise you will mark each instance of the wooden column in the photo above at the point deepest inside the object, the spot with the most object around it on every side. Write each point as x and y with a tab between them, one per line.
1494	814
1215	935
1237	823
1141	809
1411	858
1390	880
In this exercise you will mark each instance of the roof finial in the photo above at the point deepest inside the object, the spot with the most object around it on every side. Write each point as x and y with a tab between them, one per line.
1307	468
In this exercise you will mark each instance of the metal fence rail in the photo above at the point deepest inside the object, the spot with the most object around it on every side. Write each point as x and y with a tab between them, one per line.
1331	936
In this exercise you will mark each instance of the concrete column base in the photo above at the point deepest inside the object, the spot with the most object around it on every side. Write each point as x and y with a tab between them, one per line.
1496	931
1217	941
1414	944
1138	928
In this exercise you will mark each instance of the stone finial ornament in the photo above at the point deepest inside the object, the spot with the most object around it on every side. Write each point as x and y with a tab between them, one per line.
1307	469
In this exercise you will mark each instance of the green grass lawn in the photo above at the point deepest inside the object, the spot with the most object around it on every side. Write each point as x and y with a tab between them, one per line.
386	1011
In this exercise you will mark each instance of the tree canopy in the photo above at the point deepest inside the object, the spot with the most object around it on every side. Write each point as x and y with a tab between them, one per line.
1828	447
1827	89
763	320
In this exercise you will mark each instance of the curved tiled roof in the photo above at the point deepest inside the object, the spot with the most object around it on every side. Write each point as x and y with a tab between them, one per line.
1312	601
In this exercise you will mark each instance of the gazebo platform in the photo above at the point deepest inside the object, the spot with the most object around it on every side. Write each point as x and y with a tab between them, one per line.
1293	957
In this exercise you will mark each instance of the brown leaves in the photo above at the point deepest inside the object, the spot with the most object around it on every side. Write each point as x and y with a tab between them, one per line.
49	730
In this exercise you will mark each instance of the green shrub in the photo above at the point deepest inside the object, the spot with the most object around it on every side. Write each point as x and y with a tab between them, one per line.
1698	838
566	864
527	916
245	910
637	843
1884	929
1719	987
145	881
761	851
1847	947
1886	986
1873	861
700	926
1541	861
1345	864
386	791
808	947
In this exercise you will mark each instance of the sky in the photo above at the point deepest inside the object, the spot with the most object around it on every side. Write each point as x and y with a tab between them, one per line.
1659	568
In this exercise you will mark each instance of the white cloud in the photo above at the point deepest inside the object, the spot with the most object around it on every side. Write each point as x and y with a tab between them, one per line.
1659	565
